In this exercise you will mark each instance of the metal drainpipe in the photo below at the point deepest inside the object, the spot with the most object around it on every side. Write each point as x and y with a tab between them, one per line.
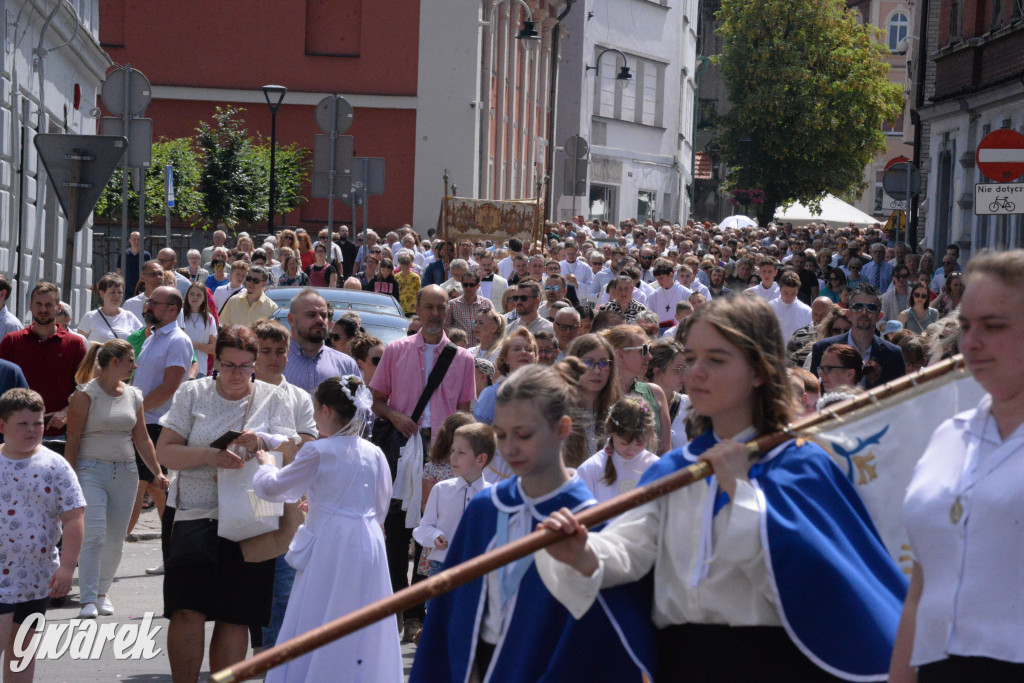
39	56
703	63
556	39
922	57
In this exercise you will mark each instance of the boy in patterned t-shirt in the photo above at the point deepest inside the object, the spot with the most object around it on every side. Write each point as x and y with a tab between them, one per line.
39	497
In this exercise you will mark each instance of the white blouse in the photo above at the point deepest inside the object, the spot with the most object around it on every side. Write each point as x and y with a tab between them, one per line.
627	472
666	534
199	330
964	512
201	415
96	329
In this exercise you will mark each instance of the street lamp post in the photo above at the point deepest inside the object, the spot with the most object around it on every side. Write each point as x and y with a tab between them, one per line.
275	95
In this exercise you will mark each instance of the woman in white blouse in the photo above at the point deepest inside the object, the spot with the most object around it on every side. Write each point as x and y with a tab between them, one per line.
209	580
109	321
197	322
964	615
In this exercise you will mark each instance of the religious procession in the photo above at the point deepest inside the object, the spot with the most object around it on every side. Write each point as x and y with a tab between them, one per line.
646	441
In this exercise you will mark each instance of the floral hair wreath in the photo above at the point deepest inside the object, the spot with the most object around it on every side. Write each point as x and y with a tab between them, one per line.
362	399
634	402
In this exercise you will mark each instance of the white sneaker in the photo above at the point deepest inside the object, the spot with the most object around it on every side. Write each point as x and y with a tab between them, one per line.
159	569
89	611
106	608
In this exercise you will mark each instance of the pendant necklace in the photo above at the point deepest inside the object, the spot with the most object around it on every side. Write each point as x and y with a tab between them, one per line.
956	511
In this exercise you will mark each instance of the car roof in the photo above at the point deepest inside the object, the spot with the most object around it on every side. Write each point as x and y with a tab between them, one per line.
343	299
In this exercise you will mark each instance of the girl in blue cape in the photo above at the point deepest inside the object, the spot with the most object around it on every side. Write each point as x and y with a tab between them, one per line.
506	627
766	572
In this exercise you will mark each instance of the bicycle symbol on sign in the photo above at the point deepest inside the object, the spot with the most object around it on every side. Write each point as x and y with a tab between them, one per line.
1003	203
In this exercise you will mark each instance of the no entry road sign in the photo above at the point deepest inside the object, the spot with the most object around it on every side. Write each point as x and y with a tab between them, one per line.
1000	155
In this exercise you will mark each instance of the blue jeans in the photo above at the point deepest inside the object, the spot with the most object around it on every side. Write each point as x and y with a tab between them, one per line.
284	577
109	489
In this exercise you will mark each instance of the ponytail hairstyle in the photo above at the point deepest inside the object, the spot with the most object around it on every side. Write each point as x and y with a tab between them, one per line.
99	357
349	398
630	418
441	444
554	392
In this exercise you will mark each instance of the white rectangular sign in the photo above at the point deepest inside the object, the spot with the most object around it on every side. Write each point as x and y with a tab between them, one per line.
995	199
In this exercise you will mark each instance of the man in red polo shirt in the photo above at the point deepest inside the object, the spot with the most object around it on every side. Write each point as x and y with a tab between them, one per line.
47	354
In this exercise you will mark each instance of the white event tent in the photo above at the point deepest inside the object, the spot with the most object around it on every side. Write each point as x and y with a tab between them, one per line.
833	210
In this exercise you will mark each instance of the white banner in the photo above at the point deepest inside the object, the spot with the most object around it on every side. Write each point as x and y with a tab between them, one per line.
878	446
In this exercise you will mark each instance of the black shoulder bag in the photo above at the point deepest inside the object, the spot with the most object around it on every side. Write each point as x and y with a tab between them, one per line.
389	439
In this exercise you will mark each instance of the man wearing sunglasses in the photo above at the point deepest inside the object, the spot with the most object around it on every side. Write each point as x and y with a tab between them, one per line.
255	305
462	310
864	313
527	302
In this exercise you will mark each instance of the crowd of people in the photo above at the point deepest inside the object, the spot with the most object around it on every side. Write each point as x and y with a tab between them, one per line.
536	379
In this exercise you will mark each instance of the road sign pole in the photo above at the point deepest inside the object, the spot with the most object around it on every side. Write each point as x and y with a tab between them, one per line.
126	123
366	197
168	199
334	169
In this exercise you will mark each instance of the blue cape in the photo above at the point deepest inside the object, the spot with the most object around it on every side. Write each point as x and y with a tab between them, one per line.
614	641
839	594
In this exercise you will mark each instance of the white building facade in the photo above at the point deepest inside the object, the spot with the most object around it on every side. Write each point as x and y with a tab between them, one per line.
50	75
640	132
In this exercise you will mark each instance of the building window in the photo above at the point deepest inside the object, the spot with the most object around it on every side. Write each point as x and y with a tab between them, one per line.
603	202
997	14
898	25
954	20
879	199
639	100
645	205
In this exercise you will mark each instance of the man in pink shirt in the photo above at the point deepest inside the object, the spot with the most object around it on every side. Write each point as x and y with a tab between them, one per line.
396	386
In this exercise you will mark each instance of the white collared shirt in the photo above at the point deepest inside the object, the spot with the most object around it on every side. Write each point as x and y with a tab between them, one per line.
666	534
663	301
972	603
445	504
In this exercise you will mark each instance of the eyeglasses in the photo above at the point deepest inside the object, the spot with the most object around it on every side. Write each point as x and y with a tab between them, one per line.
826	369
553	288
231	367
601	365
902	276
254	280
645	349
154	302
567	328
470	285
375	251
374	359
861	306
336	338
516	298
920	296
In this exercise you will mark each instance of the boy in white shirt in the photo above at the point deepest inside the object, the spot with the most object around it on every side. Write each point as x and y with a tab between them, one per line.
41	498
473	447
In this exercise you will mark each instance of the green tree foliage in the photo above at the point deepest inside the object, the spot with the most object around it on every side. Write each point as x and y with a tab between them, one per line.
235	179
810	94
188	205
226	179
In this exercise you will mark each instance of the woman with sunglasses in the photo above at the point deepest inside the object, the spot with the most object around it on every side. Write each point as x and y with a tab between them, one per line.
841	365
836	279
632	356
919	315
949	297
218	264
366	351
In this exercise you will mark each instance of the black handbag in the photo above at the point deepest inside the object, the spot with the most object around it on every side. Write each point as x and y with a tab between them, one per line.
389	439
